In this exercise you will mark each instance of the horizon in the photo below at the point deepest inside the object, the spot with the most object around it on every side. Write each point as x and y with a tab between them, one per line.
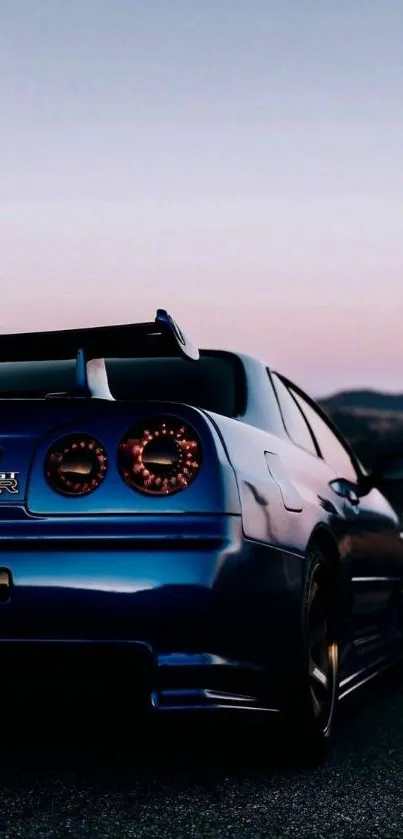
238	165
326	392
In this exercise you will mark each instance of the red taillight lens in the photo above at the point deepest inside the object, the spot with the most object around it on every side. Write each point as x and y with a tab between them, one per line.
160	457
76	465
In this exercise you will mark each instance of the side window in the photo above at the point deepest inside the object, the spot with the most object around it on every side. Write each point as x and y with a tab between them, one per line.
293	418
332	450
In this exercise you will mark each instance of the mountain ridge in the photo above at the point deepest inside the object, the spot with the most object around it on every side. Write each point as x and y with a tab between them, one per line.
364	398
371	420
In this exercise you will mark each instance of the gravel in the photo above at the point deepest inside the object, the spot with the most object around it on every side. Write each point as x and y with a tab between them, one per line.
58	780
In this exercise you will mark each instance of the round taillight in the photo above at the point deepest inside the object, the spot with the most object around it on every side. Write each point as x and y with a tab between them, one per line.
76	465
160	457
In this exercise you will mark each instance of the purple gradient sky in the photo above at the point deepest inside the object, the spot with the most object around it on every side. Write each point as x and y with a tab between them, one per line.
239	163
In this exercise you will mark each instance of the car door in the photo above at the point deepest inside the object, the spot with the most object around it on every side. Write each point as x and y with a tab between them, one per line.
375	557
296	465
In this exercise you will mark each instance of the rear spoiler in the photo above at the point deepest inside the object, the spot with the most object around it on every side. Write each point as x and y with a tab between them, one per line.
90	346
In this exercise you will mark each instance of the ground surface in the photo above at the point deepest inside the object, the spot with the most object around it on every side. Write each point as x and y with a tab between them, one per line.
61	783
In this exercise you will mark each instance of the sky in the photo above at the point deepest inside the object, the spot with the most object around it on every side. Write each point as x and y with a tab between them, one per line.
236	162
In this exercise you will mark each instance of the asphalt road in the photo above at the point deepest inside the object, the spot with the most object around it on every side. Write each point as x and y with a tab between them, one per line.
57	782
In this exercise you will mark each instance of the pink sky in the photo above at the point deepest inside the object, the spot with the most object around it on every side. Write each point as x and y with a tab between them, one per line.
239	165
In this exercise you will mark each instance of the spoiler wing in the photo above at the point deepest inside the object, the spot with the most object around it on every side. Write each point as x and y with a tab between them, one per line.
89	346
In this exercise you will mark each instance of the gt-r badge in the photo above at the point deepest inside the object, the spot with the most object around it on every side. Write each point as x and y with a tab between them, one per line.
9	483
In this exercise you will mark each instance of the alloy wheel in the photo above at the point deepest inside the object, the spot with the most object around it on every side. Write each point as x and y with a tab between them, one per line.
323	651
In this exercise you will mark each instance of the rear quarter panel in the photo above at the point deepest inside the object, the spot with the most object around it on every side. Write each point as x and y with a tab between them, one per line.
264	515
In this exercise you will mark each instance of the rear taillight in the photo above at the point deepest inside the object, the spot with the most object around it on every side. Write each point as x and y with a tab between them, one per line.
160	457
76	465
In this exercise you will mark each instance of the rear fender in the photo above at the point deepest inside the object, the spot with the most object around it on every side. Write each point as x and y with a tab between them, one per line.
261	504
266	514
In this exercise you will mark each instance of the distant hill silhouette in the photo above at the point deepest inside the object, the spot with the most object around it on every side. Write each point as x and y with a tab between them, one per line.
372	421
364	399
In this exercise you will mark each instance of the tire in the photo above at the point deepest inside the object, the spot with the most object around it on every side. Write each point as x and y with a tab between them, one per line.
312	688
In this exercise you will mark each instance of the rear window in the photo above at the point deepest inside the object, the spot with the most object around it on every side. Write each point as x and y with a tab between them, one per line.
214	382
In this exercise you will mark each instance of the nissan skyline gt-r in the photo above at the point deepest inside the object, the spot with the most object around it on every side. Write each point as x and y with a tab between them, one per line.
189	527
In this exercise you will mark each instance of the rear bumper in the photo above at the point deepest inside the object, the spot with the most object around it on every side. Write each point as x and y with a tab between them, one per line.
177	582
205	681
137	601
167	581
130	674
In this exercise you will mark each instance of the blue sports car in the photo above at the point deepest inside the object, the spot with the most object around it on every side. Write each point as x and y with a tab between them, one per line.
188	527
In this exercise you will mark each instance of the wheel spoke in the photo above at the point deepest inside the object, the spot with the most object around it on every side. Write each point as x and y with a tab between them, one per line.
313	592
316	704
322	650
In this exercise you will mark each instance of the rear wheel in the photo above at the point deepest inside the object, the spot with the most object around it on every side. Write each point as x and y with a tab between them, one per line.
312	689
